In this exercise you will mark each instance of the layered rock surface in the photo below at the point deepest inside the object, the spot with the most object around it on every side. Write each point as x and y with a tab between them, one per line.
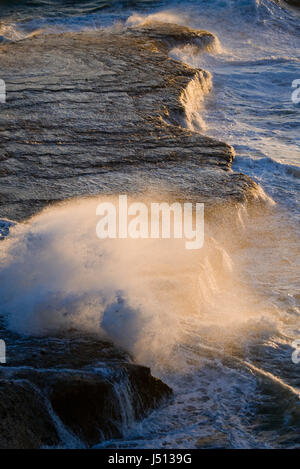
90	113
96	112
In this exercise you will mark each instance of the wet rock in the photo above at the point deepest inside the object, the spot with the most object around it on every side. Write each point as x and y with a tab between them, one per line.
102	112
78	388
89	406
72	351
91	113
174	34
92	408
141	380
24	419
294	3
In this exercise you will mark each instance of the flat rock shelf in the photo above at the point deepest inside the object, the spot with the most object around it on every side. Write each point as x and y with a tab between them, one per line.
86	114
103	112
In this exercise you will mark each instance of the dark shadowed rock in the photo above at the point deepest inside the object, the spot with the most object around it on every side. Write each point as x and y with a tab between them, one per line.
86	384
24	419
294	3
141	380
91	405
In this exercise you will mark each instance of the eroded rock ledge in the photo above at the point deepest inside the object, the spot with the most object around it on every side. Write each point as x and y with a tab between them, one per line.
93	113
97	112
71	391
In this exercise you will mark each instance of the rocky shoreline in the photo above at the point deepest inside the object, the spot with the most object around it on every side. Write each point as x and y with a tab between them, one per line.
91	113
73	391
99	112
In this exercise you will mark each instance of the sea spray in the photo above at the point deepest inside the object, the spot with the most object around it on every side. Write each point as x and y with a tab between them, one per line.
192	99
146	295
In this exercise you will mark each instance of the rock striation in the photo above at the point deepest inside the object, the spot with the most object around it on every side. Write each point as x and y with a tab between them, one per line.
103	112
